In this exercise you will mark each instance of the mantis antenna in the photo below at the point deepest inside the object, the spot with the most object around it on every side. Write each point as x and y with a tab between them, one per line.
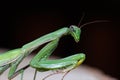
96	21
83	15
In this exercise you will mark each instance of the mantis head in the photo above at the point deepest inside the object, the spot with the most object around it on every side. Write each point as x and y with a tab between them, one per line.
75	32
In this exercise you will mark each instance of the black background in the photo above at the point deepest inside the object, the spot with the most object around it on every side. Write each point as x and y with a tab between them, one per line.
22	22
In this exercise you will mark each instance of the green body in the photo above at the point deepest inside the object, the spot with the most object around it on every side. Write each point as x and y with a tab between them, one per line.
9	57
40	62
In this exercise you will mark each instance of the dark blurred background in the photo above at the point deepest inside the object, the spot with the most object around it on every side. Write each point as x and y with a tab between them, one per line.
22	22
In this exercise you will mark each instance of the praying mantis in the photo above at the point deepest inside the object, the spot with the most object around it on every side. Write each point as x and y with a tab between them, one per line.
11	59
40	62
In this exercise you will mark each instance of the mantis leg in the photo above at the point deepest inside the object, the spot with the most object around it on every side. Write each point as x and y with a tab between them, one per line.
3	68
20	71
35	74
41	63
56	73
12	73
44	54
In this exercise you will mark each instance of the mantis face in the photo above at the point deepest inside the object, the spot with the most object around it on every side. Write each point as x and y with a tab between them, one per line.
75	32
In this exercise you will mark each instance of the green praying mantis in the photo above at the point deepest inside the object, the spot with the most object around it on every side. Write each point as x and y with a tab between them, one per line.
40	62
11	59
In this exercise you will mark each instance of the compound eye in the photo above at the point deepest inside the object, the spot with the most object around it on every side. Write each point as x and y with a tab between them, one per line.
72	28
